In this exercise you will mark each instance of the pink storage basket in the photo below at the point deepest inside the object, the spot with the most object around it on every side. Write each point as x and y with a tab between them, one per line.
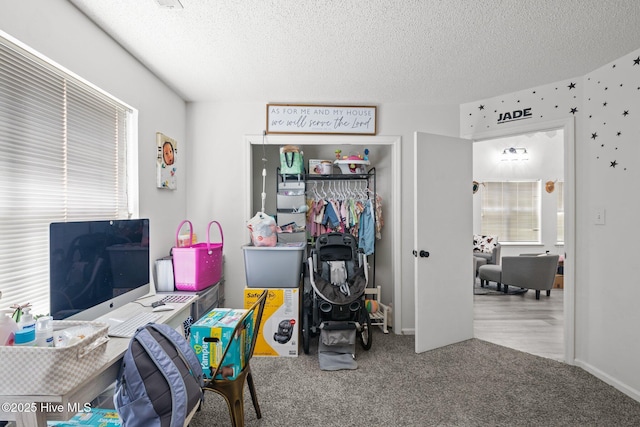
199	265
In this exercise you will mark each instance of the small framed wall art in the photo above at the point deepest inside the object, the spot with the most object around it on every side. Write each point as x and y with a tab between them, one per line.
166	162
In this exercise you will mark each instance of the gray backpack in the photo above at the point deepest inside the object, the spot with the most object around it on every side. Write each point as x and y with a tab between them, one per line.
160	380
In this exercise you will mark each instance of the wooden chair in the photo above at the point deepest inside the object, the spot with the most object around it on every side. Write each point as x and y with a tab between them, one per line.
233	390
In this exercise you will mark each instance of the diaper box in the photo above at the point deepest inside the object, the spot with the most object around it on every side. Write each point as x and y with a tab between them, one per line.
209	336
279	333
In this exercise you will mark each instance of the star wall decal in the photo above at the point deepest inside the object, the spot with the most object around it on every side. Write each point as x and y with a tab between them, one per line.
594	135
636	61
614	164
619	133
571	86
481	107
574	110
604	104
626	113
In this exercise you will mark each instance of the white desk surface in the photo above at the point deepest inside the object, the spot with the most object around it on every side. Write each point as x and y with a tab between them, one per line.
56	407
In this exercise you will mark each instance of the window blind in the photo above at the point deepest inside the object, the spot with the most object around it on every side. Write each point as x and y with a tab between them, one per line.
511	210
63	159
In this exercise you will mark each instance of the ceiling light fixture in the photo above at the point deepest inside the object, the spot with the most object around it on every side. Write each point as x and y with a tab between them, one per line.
170	4
515	153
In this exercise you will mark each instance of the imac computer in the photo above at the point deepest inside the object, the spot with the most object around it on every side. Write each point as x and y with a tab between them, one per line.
97	266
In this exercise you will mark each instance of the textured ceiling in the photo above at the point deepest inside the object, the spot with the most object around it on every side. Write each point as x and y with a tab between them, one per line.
368	51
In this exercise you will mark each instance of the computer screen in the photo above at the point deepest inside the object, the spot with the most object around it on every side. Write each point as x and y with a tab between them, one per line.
97	266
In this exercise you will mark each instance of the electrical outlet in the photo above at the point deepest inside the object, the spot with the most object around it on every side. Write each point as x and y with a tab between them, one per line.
598	216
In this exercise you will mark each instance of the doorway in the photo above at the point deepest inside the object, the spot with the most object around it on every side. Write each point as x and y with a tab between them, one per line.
542	153
385	156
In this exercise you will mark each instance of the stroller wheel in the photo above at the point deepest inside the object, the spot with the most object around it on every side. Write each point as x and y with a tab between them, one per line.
306	333
365	329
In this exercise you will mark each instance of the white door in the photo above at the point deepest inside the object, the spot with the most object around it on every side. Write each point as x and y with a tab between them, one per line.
443	246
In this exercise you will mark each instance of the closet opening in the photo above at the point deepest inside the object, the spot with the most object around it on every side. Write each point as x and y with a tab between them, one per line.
384	156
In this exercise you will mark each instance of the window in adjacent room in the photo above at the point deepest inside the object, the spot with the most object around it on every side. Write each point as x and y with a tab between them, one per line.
64	158
511	210
559	187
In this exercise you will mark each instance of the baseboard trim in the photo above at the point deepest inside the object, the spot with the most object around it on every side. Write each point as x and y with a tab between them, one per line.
629	391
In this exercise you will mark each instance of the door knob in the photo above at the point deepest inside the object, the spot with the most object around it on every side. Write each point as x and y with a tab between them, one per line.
424	254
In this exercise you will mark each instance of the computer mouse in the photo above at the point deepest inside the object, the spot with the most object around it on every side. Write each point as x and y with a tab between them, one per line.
165	307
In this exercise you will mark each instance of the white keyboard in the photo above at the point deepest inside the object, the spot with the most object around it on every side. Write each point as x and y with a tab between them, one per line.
129	327
182	299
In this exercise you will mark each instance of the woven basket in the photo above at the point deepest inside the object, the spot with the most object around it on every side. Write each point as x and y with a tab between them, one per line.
53	370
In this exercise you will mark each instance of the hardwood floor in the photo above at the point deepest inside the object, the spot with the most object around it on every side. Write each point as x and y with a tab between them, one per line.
521	322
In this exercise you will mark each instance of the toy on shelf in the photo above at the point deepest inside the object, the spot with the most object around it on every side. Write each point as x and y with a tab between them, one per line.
353	164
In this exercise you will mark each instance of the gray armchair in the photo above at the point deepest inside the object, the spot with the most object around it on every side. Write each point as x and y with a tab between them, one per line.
493	257
524	271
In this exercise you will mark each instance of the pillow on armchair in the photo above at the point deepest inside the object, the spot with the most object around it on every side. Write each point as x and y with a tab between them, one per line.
485	244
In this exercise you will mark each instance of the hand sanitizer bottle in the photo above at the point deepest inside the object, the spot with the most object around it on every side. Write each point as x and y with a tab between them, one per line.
25	337
26	320
44	331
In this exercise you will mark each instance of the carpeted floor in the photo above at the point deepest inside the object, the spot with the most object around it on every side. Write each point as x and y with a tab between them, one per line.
472	383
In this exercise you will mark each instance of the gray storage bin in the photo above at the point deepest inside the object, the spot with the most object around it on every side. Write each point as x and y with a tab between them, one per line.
279	266
291	188
298	236
283	218
290	202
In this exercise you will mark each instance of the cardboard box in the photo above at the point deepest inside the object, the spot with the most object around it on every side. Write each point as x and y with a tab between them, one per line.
279	329
558	283
210	335
316	168
93	417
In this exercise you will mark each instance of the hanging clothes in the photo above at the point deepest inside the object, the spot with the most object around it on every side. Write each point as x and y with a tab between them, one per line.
379	219
345	210
331	219
367	232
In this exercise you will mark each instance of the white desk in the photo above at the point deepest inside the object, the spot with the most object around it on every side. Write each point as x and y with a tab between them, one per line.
57	407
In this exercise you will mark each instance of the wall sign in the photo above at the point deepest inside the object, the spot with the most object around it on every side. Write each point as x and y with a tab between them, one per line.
511	116
341	119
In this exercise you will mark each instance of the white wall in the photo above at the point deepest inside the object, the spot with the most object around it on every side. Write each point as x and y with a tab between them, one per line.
607	171
545	153
216	167
59	31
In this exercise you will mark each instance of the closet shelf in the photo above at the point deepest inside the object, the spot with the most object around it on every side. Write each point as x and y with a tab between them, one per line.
337	177
340	176
333	177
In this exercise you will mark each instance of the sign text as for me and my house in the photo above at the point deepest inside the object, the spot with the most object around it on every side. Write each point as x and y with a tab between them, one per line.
288	118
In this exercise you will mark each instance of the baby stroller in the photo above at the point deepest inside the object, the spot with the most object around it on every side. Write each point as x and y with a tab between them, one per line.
333	300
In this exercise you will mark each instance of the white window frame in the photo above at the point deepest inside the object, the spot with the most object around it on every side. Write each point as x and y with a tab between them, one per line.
45	109
506	211
559	187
